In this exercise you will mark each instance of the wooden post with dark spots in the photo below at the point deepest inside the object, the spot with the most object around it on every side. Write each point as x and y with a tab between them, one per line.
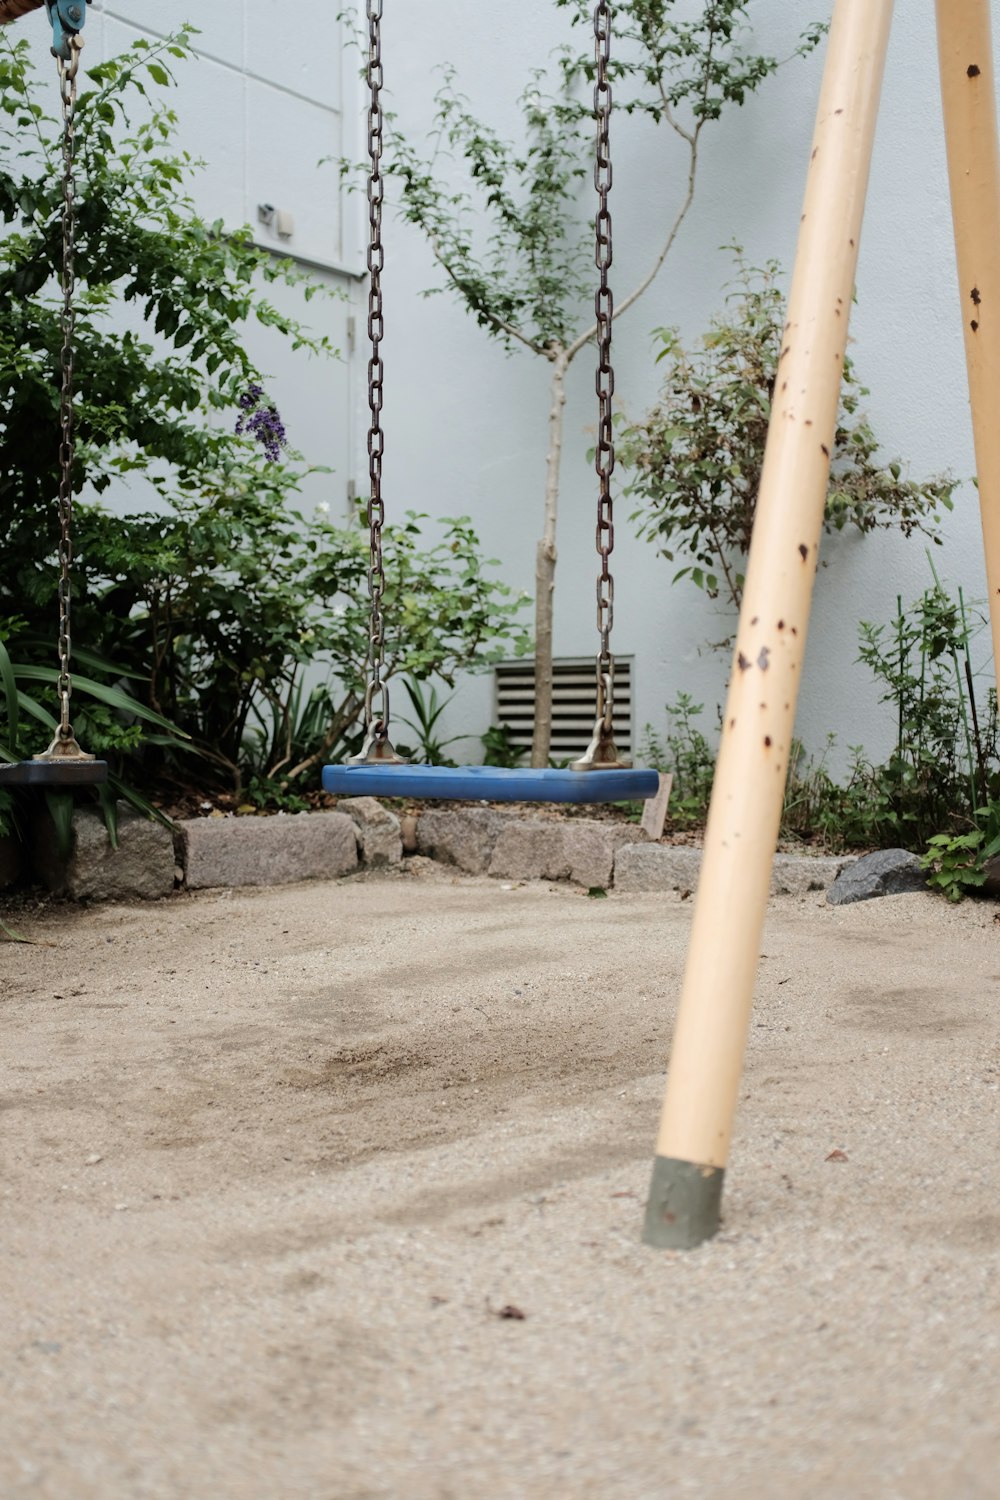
714	1016
968	98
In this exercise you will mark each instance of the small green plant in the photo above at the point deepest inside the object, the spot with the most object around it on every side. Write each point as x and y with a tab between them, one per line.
499	748
944	766
686	752
428	709
956	863
111	721
695	460
942	778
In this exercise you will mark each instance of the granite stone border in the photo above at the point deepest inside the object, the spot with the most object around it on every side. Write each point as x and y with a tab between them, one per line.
142	866
506	845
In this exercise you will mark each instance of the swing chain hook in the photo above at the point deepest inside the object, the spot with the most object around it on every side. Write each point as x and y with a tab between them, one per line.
376	746
64	745
601	754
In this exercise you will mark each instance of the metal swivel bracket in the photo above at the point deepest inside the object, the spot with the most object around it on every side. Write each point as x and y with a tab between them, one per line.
67	18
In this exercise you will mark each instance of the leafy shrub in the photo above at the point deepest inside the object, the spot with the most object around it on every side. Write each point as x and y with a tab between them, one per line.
695	459
956	863
227	614
940	786
686	752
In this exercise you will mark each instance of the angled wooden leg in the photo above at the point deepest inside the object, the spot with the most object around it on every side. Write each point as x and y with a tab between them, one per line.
968	96
710	1037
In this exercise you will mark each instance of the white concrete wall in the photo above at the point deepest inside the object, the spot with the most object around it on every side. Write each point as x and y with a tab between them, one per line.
465	423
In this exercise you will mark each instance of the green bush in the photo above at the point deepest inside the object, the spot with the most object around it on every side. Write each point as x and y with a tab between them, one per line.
228	615
695	460
940	786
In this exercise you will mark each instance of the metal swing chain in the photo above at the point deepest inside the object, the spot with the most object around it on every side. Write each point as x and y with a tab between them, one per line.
67	89
376	746
604	458
64	747
601	753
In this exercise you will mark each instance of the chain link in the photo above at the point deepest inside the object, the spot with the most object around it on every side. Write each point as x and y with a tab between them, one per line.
604	458
376	259
67	89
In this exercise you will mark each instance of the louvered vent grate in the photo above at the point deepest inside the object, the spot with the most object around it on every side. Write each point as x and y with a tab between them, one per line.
573	704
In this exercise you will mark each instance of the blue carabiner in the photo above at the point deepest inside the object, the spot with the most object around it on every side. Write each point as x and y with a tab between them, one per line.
67	18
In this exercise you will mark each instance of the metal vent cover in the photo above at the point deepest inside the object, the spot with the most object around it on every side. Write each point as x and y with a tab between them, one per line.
573	703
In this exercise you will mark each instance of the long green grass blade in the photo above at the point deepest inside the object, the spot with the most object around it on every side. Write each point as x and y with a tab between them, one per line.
109	807
136	800
112	696
9	685
60	805
89	659
36	710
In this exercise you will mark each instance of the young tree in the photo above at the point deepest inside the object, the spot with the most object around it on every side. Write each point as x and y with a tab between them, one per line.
511	245
695	460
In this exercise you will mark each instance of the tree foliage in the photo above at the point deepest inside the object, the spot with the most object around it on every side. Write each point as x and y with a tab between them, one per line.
162	295
225	610
694	461
511	239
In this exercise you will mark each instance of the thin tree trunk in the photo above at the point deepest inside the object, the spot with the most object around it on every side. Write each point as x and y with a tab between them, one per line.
545	568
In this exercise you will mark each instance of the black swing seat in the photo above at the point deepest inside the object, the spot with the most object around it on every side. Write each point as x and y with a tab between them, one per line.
489	783
59	772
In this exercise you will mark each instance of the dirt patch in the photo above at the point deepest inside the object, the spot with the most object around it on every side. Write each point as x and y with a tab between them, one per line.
276	1167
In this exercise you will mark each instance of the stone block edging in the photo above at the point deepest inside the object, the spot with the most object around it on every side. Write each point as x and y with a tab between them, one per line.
239	852
229	852
675	867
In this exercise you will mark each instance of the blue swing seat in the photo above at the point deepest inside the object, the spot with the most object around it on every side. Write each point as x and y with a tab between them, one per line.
489	784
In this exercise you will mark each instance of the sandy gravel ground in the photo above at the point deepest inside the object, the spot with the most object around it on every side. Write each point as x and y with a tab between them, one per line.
274	1165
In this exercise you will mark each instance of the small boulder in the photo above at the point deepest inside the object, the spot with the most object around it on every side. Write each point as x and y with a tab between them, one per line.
656	867
141	867
378	830
991	885
465	836
532	850
887	872
237	852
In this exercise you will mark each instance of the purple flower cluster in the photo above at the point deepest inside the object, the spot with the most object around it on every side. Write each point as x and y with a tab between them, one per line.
262	423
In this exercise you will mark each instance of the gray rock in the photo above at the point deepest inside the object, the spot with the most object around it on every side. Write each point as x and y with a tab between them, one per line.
268	851
141	867
590	848
672	867
464	836
579	849
797	874
888	872
989	887
531	850
378	830
656	867
10	862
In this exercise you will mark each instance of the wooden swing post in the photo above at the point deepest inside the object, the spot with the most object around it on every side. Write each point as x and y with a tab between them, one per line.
969	102
740	838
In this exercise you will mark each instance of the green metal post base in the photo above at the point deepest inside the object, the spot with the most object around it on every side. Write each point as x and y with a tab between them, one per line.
683	1206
